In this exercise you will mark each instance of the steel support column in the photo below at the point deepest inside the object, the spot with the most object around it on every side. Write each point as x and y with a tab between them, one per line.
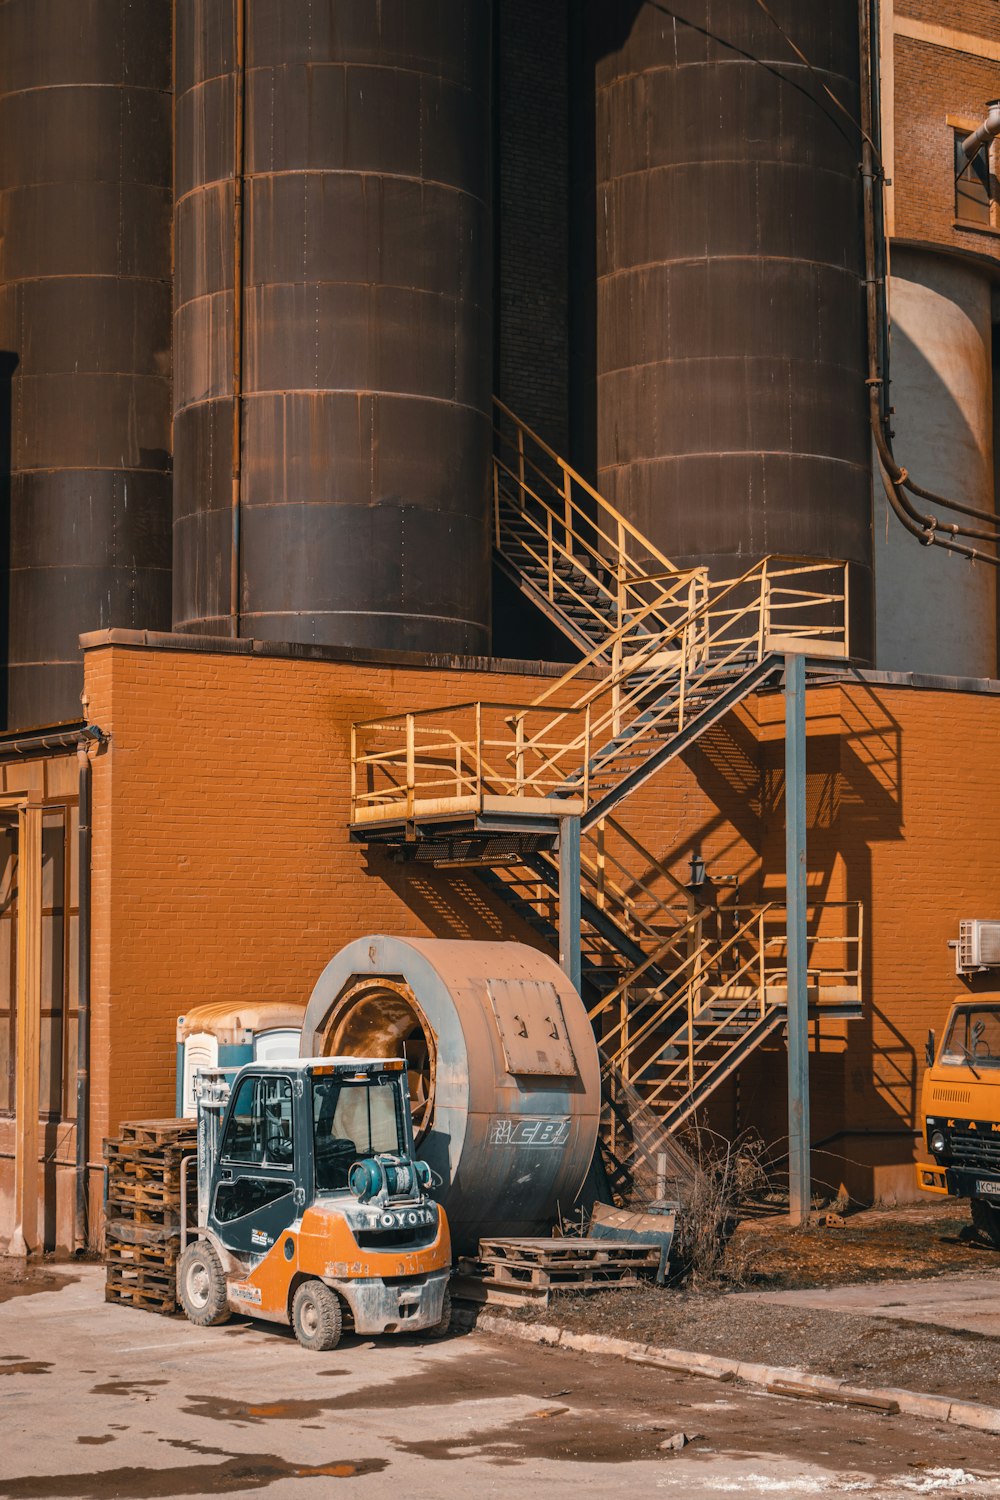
799	1174
569	900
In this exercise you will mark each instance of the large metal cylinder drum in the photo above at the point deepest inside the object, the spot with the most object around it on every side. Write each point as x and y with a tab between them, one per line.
504	1074
730	346
85	291
354	511
938	614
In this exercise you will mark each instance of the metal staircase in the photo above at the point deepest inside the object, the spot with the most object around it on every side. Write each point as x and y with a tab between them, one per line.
558	540
686	1035
624	935
666	654
614	718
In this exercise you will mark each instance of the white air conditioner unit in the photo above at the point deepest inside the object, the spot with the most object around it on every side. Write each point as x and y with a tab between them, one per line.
978	947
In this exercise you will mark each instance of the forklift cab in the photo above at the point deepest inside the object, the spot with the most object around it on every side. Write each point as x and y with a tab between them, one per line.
258	1189
291	1137
312	1206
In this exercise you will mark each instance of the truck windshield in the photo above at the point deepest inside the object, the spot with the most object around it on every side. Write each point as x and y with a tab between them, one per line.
352	1119
973	1037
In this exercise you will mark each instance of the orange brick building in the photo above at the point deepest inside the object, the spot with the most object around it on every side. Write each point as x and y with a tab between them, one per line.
222	867
268	440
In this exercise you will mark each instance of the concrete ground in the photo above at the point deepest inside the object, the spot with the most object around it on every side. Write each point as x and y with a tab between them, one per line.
101	1401
968	1302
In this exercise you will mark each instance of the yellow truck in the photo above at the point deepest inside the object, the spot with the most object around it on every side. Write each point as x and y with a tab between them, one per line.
960	1104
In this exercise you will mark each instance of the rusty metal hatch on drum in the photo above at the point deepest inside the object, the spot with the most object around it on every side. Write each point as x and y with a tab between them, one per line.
531	1026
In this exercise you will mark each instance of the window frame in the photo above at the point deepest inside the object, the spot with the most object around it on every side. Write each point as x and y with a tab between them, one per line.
64	1013
990	224
257	1080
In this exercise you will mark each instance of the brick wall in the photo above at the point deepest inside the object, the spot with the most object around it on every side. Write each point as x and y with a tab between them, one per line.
977	17
904	816
932	83
222	867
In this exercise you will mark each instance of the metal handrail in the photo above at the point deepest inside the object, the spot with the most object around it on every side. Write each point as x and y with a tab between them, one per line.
570	478
548	761
711	954
717	992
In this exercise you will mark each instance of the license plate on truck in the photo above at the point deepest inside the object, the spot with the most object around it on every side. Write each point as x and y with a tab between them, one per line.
987	1189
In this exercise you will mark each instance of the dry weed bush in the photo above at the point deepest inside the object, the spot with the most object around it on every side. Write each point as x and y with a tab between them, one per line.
726	1175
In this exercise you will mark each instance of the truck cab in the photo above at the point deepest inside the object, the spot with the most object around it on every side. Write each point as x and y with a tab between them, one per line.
961	1110
312	1206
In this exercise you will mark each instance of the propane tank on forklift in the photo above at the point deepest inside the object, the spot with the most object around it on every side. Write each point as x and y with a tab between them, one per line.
312	1207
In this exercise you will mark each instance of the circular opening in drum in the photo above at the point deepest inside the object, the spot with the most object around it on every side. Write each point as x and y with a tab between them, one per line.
384	1020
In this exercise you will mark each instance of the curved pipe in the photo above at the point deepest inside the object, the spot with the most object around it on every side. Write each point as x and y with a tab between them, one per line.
895	479
964	510
986	132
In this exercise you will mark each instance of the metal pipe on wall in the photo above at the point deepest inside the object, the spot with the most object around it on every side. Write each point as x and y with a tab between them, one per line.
239	170
928	529
83	1000
984	133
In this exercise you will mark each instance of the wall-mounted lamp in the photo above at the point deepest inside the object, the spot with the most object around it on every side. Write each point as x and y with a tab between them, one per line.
698	872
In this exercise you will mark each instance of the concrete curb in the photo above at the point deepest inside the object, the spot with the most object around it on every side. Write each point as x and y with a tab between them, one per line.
769	1377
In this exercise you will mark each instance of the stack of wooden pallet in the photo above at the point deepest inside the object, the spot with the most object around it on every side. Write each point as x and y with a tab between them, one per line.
519	1271
143	1211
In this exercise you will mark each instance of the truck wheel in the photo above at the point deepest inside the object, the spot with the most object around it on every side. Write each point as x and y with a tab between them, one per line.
316	1316
441	1330
986	1219
201	1285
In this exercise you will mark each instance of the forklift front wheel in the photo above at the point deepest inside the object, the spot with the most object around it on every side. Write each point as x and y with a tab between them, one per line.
316	1316
201	1285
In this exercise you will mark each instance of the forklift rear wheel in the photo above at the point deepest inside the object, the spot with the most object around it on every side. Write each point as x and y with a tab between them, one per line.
441	1330
316	1316
201	1285
986	1219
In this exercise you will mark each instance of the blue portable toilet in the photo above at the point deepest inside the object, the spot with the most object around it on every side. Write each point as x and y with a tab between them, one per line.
226	1034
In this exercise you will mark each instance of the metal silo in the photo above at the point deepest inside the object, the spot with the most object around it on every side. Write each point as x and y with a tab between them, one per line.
84	332
332	418
730	376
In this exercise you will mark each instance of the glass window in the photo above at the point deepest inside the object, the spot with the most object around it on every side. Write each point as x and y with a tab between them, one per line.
974	1037
260	1125
248	1195
352	1120
973	184
52	1031
59	940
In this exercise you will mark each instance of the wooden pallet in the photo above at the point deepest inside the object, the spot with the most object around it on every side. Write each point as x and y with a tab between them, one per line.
125	1252
511	1271
159	1135
142	1287
143	1211
145	1193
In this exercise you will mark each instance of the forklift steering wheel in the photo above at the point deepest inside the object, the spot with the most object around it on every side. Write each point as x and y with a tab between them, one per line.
278	1148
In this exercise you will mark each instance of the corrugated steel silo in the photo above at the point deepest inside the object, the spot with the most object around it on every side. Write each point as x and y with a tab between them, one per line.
358	514
731	404
85	287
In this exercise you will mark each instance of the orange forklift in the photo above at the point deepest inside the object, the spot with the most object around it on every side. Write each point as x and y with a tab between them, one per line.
313	1209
